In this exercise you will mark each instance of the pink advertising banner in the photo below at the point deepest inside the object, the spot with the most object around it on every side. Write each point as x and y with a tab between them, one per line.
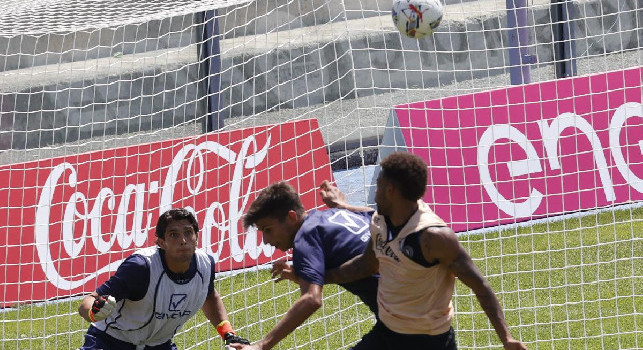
68	222
530	151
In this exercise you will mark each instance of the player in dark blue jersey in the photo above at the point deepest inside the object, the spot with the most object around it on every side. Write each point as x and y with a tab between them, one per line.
319	240
155	291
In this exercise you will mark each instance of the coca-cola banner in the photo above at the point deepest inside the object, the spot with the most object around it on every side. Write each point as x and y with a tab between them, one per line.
68	222
529	151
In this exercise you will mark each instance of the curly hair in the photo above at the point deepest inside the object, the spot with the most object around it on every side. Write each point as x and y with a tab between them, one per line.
407	172
274	201
175	215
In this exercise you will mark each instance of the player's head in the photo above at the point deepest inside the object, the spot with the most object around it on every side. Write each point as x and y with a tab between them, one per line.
175	215
402	176
277	212
177	232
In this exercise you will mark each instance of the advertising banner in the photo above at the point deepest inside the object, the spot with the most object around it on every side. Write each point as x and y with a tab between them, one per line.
529	151
68	222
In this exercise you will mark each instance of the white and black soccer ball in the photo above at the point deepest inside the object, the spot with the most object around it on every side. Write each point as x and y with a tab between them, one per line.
417	18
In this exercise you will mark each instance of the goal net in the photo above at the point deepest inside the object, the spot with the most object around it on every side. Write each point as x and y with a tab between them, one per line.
527	112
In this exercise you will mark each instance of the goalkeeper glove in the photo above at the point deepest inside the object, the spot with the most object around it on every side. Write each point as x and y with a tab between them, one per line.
102	307
228	335
231	338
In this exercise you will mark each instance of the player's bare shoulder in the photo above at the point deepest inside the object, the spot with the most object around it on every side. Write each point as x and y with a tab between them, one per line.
438	235
439	243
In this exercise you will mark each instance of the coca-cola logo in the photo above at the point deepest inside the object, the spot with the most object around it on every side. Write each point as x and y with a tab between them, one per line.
70	221
89	213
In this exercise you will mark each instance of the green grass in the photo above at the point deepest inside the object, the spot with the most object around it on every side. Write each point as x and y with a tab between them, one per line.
573	284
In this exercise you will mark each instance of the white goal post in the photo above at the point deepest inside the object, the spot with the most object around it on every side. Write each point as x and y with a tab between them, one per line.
112	111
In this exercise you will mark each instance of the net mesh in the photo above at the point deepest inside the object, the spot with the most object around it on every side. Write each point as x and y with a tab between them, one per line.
107	94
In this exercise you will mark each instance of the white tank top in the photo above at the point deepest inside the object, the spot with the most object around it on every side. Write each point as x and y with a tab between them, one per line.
166	306
412	299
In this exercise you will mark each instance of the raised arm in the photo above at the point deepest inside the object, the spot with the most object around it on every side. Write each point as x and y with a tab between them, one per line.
309	301
441	243
334	198
361	266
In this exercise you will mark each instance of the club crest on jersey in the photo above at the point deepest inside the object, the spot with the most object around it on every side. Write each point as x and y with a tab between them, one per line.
406	249
352	222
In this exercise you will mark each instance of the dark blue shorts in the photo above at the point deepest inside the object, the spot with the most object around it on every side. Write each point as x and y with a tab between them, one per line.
382	338
96	339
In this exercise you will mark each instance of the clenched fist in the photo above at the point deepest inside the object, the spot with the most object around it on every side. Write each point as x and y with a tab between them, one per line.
102	307
231	338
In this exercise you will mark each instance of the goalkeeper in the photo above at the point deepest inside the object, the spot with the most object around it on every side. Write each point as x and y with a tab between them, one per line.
155	291
319	239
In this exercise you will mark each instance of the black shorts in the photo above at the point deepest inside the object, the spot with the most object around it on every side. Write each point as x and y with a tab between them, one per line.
96	339
382	338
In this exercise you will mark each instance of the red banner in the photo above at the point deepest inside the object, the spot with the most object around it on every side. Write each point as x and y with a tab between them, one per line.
70	221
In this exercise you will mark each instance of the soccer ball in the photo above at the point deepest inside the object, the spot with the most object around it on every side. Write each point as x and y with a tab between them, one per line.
416	18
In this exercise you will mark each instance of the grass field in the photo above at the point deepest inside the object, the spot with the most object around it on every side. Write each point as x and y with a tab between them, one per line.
573	284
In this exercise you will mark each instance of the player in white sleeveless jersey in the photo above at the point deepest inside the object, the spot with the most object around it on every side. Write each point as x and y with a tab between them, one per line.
418	258
155	291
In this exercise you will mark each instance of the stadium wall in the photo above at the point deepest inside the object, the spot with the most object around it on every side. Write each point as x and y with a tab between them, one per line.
116	88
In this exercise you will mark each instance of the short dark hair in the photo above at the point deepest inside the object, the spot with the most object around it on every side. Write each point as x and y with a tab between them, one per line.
274	201
175	215
407	172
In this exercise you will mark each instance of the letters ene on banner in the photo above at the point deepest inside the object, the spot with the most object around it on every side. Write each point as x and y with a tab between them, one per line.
551	132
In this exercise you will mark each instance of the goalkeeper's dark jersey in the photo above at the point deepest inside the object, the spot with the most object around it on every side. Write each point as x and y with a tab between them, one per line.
327	239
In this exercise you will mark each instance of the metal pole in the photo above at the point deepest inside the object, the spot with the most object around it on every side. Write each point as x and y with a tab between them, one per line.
211	56
519	57
563	38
